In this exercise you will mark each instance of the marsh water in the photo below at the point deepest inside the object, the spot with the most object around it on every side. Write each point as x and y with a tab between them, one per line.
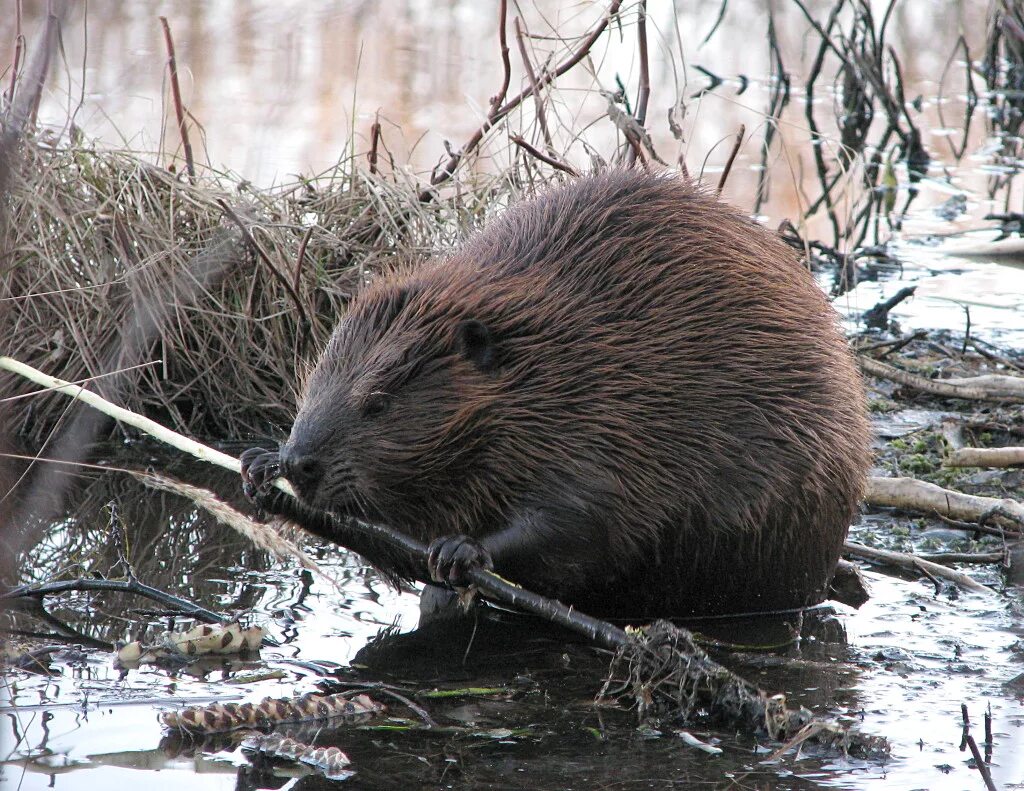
284	88
901	666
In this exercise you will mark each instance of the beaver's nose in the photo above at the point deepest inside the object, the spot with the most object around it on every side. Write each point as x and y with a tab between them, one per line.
301	467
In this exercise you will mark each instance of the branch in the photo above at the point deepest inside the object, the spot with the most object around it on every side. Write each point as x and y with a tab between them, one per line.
144	424
537	100
921	496
979	388
500	112
644	92
732	158
179	110
986	457
532	150
289	287
133	586
913	563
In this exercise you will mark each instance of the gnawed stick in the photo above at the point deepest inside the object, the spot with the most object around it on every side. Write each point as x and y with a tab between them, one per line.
917	495
991	387
144	424
659	666
904	560
986	457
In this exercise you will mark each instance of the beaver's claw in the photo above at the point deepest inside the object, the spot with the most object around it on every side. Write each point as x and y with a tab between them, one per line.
450	558
260	468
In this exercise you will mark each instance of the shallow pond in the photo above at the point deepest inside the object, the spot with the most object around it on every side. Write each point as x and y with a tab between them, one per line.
902	666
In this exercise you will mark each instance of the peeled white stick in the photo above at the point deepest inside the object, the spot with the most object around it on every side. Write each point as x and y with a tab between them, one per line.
151	427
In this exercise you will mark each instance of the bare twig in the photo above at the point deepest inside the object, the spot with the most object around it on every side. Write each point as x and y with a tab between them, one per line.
912	562
179	109
300	257
532	76
976	388
448	170
506	65
893	345
289	287
732	158
979	762
644	91
374	141
533	151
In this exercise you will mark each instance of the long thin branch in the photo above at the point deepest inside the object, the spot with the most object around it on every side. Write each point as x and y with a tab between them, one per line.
288	286
644	91
732	158
132	586
914	563
538	101
179	109
533	151
151	427
506	65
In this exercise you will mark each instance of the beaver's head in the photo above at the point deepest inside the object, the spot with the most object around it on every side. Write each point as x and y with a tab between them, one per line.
397	409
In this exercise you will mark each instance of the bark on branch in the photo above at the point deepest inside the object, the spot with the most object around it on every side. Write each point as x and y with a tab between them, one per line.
986	457
922	496
977	388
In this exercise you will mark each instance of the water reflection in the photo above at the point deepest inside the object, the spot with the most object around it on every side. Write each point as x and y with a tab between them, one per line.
282	88
912	657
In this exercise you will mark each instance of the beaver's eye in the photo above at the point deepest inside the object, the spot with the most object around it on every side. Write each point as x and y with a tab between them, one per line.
376	404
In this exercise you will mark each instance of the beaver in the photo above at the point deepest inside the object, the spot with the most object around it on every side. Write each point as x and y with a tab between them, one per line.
620	393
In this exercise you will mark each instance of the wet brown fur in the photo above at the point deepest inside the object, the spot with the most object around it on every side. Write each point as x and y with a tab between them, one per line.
665	397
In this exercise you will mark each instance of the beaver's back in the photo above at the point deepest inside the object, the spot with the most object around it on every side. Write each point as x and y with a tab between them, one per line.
692	370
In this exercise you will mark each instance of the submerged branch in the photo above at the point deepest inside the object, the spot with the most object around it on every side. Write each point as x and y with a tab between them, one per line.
133	586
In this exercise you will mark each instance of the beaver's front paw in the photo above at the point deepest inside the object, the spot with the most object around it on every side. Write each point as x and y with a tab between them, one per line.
450	558
260	468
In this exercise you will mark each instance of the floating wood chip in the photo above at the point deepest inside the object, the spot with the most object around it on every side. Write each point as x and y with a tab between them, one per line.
331	761
198	641
271	711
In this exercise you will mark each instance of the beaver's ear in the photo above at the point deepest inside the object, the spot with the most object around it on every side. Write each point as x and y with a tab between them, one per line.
476	344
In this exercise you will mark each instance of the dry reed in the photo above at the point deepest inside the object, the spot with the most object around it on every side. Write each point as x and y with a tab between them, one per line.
99	242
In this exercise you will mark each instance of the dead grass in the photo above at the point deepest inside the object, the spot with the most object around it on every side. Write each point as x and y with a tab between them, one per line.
200	302
112	262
